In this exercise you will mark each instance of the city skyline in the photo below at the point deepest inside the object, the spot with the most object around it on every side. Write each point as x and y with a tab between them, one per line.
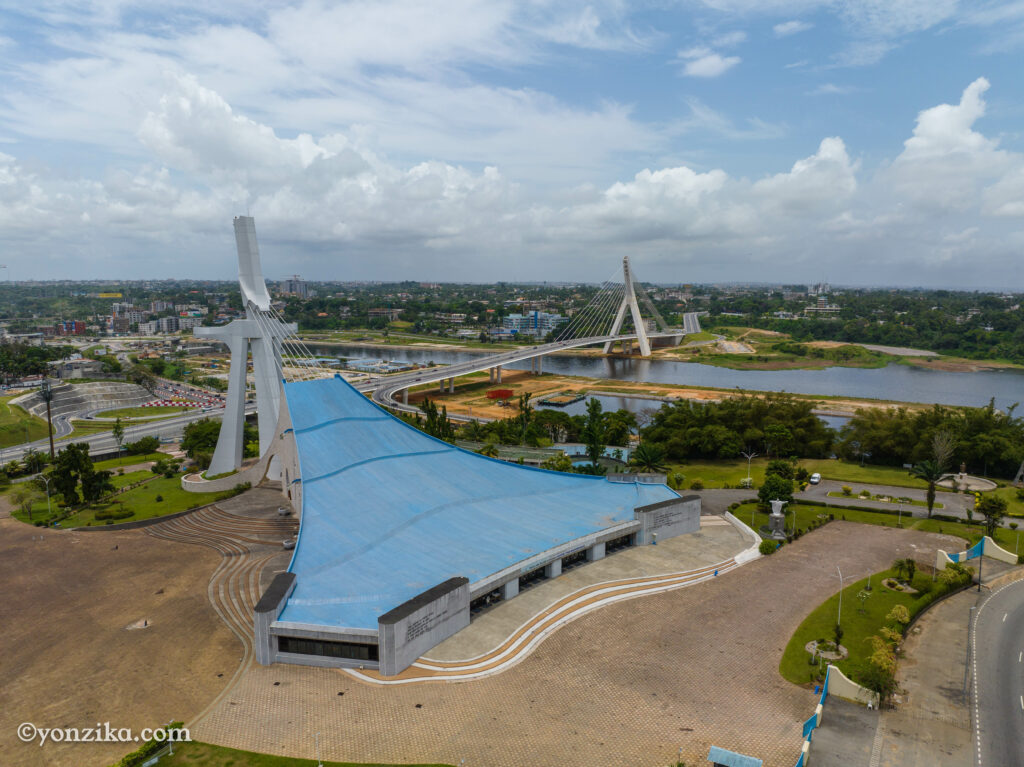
859	143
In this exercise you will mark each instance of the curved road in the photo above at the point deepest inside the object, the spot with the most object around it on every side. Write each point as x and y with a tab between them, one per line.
998	708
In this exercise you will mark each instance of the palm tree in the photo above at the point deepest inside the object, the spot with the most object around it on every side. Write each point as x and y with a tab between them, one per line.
931	472
490	450
648	457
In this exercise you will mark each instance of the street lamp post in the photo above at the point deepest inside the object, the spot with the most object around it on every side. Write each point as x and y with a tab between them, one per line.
749	457
839	616
899	517
316	739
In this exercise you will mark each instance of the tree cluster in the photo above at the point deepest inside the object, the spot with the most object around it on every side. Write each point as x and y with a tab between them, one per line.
73	471
989	441
774	424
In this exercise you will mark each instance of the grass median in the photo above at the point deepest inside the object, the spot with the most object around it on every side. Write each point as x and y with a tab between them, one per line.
18	426
861	620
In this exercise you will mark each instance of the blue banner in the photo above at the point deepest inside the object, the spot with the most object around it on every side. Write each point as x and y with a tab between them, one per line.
974	552
809	725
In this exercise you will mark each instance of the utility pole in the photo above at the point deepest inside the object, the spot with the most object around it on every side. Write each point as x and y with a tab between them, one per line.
47	394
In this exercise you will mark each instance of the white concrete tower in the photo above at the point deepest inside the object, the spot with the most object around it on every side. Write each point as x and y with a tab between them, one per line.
629	301
260	331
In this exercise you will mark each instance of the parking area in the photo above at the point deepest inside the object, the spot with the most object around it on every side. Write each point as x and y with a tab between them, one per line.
629	684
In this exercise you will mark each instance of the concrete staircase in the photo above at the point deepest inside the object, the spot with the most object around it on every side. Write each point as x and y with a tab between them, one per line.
69	399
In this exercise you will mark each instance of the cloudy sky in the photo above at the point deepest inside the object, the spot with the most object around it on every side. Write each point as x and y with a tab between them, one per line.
859	142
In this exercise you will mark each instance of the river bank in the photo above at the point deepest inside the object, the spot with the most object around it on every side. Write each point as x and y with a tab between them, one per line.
470	396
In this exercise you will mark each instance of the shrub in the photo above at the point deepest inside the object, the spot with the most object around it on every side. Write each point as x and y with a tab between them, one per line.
142	446
847	490
697	485
113	514
767	547
159	499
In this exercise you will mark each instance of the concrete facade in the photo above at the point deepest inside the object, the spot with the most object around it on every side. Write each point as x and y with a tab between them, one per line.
412	628
660	521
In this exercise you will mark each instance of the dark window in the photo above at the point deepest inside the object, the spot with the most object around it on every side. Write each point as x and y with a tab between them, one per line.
532	578
617	544
351	650
484	602
575	559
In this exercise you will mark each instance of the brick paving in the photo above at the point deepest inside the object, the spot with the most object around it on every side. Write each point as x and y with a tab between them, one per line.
628	684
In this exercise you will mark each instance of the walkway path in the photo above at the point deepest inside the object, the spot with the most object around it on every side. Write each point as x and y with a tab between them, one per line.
246	544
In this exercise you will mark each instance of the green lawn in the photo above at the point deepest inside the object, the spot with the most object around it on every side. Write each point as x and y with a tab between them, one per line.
17	424
145	412
113	464
1014	505
130	478
859	622
848	471
141	500
719	473
204	755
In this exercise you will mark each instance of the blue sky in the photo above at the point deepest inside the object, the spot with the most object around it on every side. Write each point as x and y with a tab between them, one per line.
872	142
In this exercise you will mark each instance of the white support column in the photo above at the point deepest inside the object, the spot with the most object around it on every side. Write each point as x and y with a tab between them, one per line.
227	456
451	385
490	373
499	373
595	552
405	396
553	569
510	589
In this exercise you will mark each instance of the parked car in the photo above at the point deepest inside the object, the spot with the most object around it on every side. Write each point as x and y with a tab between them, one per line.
815	478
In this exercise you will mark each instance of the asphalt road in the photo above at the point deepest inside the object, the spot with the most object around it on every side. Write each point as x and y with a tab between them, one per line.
954	504
999	678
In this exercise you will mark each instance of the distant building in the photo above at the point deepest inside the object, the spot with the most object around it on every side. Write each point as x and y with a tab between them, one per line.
453	319
822	307
80	368
189	322
168	324
294	286
149	328
69	328
120	324
537	324
160	306
390	314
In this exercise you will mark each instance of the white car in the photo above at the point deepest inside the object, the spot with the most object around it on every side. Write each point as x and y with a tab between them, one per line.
815	478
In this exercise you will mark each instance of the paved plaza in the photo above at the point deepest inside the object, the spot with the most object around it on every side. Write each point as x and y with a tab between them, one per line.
628	684
717	540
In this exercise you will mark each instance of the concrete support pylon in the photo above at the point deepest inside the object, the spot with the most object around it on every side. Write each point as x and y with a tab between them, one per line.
629	302
499	373
260	331
451	385
405	396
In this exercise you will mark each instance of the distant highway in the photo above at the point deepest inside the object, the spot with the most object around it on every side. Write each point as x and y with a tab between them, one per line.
999	678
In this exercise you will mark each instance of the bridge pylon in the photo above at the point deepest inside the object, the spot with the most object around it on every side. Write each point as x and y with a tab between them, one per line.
629	302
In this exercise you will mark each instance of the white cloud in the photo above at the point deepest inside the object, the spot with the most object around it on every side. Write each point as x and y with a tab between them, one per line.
831	89
787	28
701	62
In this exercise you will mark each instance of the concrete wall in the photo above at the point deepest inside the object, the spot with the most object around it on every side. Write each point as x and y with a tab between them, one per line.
426	620
842	687
994	550
266	612
668	519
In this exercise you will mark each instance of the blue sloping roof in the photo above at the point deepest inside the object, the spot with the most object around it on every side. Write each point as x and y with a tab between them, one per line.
388	511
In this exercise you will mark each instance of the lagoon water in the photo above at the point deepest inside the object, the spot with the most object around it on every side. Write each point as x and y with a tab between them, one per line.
904	383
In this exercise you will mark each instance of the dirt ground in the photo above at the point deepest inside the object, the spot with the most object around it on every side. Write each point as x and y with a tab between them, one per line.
523	382
68	658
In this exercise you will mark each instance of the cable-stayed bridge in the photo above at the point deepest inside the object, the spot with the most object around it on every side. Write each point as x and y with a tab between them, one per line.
613	317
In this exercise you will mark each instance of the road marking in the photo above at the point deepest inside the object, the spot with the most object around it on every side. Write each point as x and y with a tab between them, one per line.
1022	702
1004	617
1021	656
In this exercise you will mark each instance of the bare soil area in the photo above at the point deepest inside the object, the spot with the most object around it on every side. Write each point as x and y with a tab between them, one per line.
104	626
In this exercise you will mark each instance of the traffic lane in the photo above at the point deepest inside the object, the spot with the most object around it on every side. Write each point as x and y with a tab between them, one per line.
999	678
953	503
